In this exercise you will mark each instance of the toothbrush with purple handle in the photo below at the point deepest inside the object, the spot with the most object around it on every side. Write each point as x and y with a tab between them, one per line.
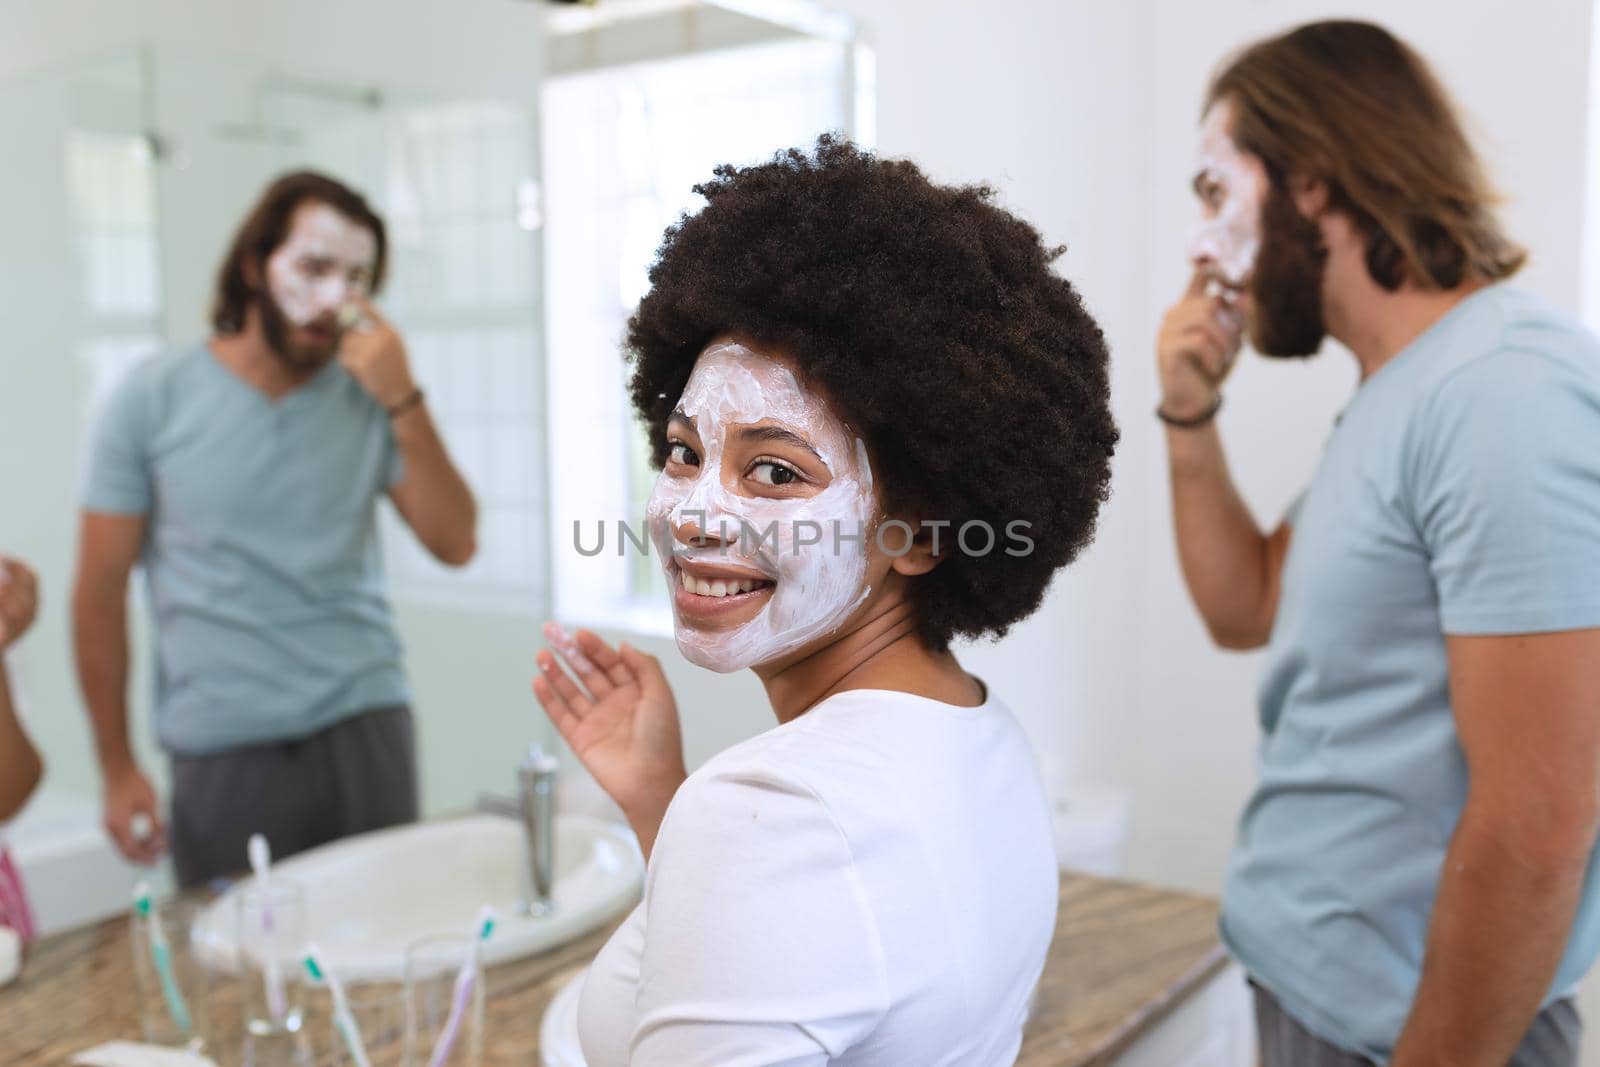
260	861
466	980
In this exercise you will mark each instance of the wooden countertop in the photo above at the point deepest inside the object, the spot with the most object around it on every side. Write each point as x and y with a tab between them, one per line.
1124	955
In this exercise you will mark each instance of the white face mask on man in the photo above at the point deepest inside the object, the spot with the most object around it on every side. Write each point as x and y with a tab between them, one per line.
326	260
1229	235
805	550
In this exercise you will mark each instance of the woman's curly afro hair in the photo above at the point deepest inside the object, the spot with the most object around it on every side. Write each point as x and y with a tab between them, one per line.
930	320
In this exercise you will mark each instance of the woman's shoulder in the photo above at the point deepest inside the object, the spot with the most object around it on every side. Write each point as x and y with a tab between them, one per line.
790	783
759	771
840	736
836	765
746	821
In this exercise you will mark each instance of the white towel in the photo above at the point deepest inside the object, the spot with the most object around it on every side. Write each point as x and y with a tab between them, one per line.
130	1054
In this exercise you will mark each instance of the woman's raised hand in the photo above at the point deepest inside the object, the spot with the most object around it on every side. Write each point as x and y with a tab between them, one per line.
619	718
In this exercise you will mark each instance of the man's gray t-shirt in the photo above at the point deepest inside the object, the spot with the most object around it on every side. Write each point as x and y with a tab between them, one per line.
260	553
1458	494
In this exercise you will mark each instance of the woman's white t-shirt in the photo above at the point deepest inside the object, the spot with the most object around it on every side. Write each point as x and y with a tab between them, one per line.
871	883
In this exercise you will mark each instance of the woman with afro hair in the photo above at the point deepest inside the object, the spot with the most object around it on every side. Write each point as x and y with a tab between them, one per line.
882	423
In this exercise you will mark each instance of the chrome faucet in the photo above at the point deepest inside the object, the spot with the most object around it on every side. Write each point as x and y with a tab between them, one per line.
536	804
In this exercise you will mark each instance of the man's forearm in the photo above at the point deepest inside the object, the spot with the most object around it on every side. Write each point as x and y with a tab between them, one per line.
100	641
1500	924
1222	551
443	511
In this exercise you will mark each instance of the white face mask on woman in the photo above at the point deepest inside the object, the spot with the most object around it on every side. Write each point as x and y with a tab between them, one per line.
780	563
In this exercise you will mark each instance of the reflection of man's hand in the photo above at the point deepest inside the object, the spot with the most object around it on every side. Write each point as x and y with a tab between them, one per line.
372	351
19	599
132	817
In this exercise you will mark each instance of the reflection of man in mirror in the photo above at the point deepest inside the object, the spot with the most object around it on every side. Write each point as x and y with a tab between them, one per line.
243	473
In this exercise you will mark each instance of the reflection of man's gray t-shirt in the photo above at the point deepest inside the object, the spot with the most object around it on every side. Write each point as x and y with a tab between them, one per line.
1458	494
260	552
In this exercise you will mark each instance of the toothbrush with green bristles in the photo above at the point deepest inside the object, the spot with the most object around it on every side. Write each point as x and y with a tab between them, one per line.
319	971
466	978
161	957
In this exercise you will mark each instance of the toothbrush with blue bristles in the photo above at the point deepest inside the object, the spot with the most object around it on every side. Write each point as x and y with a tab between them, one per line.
466	979
161	956
260	862
318	969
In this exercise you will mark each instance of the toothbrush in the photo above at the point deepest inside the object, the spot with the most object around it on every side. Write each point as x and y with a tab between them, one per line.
566	644
466	979
318	969
260	860
161	956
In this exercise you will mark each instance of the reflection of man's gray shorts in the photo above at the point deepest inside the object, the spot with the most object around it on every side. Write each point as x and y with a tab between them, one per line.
359	774
1552	1040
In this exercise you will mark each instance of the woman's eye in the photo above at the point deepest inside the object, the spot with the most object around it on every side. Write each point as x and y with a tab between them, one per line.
682	453
775	473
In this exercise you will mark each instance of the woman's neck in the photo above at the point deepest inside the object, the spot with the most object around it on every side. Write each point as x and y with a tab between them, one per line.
882	651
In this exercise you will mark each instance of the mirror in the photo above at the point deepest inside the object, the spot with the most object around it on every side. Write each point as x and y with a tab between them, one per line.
525	178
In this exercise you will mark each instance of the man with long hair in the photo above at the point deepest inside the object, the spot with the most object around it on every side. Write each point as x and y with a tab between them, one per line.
1414	877
243	473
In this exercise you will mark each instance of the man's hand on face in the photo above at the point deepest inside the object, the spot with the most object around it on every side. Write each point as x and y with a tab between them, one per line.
374	354
1198	344
19	599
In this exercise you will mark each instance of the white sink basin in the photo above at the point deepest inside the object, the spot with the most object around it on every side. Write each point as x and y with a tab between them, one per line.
370	896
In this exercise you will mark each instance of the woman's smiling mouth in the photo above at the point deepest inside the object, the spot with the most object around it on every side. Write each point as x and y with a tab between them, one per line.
724	594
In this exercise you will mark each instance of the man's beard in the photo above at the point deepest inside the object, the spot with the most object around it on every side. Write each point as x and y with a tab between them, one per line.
279	334
1286	284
